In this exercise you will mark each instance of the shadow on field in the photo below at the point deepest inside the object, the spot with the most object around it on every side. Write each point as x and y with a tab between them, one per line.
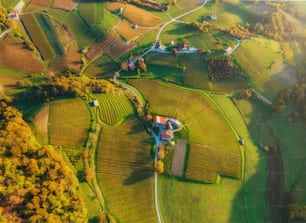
262	194
138	175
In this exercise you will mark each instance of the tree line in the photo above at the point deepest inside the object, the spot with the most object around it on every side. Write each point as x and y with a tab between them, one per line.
35	183
67	84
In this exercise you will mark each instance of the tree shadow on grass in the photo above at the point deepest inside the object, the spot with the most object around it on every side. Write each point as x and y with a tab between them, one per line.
262	197
138	175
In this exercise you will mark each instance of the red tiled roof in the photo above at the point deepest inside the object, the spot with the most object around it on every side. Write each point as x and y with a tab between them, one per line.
159	120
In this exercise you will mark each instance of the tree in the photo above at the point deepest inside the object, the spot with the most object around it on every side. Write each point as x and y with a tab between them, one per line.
161	154
89	174
159	168
143	67
3	15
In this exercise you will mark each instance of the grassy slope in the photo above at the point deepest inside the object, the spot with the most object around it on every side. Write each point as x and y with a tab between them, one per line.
205	124
254	159
68	126
192	202
124	171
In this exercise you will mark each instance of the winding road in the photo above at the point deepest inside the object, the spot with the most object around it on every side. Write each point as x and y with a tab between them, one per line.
157	140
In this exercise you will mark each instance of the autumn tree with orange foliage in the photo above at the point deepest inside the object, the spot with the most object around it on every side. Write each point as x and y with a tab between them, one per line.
36	184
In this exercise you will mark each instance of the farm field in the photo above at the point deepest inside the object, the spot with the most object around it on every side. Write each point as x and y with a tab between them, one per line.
64	4
67	130
71	57
135	15
225	201
113	108
8	3
44	3
178	159
205	162
255	161
110	45
125	172
50	32
14	56
102	67
125	29
186	202
37	35
257	65
290	135
165	66
205	124
8	82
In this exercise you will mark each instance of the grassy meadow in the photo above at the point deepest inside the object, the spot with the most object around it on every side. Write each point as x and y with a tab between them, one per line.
125	172
69	121
113	108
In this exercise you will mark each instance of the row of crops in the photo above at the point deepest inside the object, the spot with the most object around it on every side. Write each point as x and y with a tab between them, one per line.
38	36
113	107
125	172
205	162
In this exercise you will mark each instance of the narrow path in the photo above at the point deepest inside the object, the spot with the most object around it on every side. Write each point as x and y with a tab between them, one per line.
157	142
177	17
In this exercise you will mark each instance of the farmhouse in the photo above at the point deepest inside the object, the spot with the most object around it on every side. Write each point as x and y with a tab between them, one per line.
229	50
166	135
158	120
213	16
95	103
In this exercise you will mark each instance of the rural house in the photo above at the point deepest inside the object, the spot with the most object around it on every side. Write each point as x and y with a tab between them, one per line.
158	120
166	135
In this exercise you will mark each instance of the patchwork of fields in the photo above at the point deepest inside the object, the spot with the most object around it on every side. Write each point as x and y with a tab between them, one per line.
125	173
113	108
205	124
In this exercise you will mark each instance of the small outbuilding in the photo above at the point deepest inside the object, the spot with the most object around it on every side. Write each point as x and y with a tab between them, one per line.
95	103
158	120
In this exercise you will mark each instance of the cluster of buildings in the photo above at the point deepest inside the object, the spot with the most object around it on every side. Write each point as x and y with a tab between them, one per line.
166	127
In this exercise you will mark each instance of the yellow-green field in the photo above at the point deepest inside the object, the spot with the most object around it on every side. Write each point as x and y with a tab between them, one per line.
125	172
205	162
68	127
205	124
113	108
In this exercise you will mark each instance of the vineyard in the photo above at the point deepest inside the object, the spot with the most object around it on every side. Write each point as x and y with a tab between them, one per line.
64	4
14	56
113	107
204	122
110	45
205	162
126	30
124	171
37	35
68	129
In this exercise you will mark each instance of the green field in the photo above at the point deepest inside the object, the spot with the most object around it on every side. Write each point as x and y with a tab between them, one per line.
48	28
230	200
113	108
258	65
103	67
37	35
68	127
205	124
9	3
291	137
125	172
